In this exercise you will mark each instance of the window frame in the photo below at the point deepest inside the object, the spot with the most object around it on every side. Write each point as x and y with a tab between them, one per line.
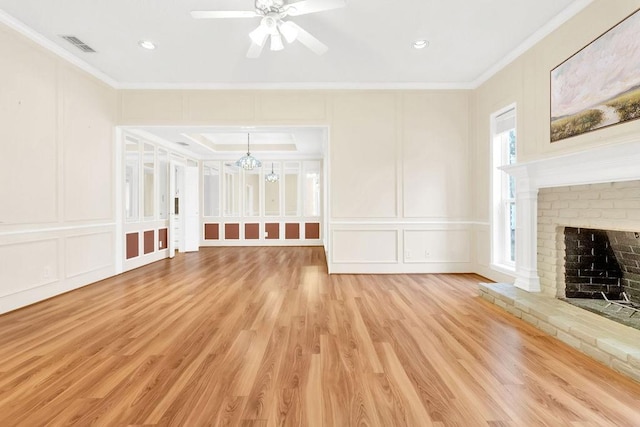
503	192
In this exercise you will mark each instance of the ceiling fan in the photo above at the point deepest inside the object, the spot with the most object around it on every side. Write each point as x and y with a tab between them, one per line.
273	24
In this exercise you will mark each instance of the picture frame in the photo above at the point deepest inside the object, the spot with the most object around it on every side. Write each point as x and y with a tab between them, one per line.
598	86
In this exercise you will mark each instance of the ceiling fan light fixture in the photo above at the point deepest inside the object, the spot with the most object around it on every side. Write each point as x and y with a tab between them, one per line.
259	35
276	42
288	31
272	13
248	162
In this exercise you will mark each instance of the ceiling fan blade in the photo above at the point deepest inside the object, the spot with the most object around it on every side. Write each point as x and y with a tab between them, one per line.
304	7
309	41
212	14
258	38
255	50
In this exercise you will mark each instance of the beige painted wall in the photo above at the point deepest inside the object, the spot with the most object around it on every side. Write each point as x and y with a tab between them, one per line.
57	225
409	170
399	161
526	82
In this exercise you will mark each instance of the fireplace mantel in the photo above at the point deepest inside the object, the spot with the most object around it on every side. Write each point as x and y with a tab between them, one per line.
610	163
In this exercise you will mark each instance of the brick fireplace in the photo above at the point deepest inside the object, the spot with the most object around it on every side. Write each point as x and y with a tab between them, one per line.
596	189
608	215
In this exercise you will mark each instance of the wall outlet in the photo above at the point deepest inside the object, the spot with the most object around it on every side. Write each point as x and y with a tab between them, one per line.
408	254
46	273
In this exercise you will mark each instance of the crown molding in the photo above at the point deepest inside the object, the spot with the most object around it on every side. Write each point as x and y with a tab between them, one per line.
572	10
44	42
298	86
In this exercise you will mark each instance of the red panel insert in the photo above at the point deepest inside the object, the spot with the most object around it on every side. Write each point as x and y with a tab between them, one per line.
149	241
273	230
162	239
312	230
212	231
232	231
292	230
132	245
252	231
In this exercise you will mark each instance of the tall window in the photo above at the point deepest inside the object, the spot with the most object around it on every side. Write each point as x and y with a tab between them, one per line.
504	188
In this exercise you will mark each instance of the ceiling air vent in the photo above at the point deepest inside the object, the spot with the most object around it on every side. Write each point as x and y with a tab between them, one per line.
78	43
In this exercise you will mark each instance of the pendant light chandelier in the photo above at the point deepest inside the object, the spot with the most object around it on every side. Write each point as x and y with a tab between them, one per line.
248	162
272	176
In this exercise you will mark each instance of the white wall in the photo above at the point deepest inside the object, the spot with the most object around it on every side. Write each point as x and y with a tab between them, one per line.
399	162
526	83
57	225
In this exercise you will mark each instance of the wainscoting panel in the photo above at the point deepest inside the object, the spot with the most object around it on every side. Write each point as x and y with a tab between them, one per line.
437	246
41	263
365	246
88	252
391	247
28	265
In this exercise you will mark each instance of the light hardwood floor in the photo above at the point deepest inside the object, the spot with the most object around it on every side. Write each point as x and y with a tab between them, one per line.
263	336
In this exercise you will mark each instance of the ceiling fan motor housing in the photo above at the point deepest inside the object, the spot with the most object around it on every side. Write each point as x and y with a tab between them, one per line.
269	6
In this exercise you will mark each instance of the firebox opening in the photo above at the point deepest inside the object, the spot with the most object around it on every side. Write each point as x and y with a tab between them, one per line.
604	261
591	266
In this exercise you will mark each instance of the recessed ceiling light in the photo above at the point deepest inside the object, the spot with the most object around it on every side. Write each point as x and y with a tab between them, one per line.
420	44
147	44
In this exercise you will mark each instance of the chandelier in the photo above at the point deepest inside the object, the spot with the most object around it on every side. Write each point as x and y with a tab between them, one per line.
272	176
248	162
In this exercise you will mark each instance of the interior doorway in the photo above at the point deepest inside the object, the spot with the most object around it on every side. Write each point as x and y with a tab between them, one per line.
184	215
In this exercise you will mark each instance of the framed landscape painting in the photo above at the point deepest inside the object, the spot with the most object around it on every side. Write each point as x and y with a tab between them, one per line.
599	85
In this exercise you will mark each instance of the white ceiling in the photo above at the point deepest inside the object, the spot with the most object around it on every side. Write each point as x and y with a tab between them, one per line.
369	41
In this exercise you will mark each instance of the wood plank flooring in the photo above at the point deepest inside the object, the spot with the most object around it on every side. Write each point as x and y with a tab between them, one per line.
264	337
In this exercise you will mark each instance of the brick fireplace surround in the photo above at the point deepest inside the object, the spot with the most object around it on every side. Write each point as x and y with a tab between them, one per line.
607	206
598	189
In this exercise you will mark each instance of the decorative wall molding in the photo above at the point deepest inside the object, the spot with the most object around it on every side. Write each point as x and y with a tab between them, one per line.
31	265
403	222
416	247
39	230
76	265
365	252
